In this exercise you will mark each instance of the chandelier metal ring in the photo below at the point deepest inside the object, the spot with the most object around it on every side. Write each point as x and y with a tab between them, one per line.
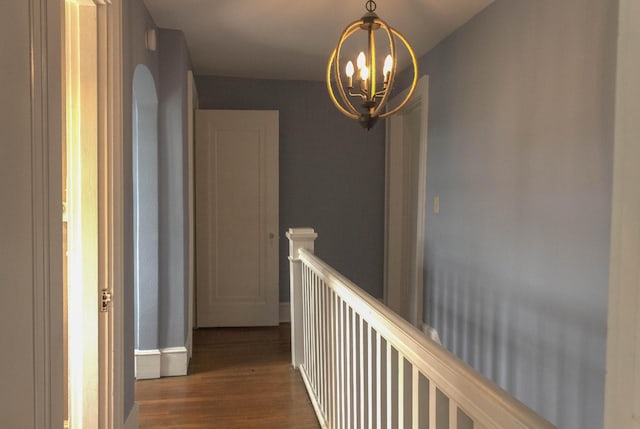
371	6
351	28
414	82
373	97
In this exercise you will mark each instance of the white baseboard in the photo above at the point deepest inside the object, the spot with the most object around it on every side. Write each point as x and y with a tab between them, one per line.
147	364
285	312
167	362
132	419
174	361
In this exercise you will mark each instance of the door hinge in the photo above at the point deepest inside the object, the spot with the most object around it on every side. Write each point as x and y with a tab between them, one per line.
105	300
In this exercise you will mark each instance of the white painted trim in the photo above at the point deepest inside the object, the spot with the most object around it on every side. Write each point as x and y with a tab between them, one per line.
45	21
394	237
111	203
174	361
622	386
165	362
285	312
147	364
116	95
192	105
132	419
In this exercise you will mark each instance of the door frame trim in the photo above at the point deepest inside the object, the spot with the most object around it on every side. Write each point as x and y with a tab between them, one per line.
45	27
420	97
192	106
46	22
110	163
622	382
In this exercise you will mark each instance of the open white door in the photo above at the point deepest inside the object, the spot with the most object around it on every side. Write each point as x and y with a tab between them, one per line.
237	218
406	180
93	181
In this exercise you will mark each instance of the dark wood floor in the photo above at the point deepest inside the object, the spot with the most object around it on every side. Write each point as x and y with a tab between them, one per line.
238	378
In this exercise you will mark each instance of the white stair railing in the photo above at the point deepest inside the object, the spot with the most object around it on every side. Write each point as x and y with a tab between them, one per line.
365	367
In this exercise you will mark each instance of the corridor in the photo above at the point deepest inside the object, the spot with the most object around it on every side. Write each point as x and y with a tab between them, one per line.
239	378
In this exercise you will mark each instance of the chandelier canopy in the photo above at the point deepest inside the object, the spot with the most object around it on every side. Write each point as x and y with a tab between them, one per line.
362	82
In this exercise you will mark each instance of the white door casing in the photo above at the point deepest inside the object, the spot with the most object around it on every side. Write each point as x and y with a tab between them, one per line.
93	101
93	67
192	105
405	205
237	218
622	385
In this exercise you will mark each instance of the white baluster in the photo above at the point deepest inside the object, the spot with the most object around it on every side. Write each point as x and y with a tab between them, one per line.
415	397
323	346
342	371
389	387
400	390
332	358
378	381
314	332
433	392
305	319
350	375
370	405
362	367
453	414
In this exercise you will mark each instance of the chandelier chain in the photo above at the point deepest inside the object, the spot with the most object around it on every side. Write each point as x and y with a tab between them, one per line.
371	5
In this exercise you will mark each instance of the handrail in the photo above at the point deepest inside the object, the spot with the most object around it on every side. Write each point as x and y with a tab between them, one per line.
485	402
340	367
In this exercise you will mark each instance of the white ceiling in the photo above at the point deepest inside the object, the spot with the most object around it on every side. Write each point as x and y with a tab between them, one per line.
292	39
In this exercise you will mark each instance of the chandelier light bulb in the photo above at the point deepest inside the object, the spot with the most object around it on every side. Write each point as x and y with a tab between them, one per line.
361	61
350	69
364	73
388	65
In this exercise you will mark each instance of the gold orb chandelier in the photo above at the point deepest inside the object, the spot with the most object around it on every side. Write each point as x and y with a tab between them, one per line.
372	96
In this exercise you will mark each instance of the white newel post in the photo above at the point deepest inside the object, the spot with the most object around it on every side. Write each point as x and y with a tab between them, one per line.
299	238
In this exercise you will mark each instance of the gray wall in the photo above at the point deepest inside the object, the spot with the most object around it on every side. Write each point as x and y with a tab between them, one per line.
29	224
16	262
172	185
331	172
168	66
520	153
136	20
145	208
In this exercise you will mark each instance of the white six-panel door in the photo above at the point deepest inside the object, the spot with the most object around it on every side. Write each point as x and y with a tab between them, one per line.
236	218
